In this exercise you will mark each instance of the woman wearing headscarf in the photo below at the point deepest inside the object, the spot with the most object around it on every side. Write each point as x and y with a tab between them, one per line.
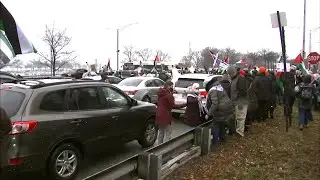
195	110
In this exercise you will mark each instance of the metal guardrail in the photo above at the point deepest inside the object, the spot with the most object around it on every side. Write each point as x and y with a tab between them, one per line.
158	162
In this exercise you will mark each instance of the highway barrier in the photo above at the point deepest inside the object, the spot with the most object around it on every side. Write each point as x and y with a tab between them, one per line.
158	162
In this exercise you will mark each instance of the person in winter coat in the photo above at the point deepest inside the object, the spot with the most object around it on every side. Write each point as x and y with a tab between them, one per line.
239	88
5	128
163	114
305	92
289	84
263	86
226	84
221	109
273	100
195	112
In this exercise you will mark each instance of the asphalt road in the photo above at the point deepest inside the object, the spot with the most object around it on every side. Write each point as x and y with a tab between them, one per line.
97	163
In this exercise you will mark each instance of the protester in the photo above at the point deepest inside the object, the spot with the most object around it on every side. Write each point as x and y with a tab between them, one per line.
273	100
226	84
5	128
163	115
305	92
220	109
252	106
289	94
195	112
239	87
263	87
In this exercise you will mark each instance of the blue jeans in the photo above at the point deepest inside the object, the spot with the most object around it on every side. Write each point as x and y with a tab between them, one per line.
219	131
305	116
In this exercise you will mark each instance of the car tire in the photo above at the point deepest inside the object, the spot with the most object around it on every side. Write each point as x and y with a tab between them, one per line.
149	134
176	115
70	157
146	99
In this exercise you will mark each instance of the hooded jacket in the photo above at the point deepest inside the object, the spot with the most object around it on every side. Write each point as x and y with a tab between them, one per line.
220	104
165	105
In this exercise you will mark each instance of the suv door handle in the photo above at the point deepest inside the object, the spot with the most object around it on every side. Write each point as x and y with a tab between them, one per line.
115	117
76	121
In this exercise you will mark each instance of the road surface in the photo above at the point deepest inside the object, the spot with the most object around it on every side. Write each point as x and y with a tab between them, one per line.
95	164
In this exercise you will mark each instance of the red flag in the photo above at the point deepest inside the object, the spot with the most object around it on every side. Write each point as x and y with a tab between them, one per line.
227	60
157	59
298	59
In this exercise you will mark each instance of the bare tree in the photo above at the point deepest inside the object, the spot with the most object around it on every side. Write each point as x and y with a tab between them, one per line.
144	54
58	43
15	63
129	53
162	55
194	58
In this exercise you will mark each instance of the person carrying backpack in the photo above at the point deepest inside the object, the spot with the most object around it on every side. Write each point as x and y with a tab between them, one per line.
305	92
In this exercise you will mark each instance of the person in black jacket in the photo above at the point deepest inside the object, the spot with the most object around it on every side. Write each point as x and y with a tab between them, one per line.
5	128
226	84
262	85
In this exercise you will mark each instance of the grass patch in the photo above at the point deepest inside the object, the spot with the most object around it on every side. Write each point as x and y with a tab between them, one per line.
266	152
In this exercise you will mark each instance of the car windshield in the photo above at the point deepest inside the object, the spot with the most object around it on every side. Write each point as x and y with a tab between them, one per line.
187	82
11	101
130	82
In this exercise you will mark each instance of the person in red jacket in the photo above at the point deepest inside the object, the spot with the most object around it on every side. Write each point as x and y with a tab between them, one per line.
163	115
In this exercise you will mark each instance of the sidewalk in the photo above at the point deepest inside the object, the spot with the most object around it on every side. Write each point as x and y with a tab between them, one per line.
266	152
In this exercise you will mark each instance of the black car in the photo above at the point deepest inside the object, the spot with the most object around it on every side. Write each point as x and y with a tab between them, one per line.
57	122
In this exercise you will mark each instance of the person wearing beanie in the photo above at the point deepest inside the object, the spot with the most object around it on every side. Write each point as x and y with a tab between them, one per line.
239	88
263	86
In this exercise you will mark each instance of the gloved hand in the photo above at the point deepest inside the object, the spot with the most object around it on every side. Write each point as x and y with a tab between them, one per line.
206	117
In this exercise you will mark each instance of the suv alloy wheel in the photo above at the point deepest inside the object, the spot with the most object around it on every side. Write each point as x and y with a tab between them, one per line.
149	135
64	162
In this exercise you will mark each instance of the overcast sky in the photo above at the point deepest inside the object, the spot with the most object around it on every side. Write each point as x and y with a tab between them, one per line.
168	25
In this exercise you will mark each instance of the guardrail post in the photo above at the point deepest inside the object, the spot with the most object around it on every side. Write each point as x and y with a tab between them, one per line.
155	166
206	141
198	134
144	166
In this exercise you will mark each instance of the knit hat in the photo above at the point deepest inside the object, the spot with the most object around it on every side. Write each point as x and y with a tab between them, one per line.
262	69
231	70
242	72
225	77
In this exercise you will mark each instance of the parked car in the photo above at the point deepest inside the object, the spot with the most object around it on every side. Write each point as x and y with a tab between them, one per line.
110	79
6	77
142	88
183	83
58	122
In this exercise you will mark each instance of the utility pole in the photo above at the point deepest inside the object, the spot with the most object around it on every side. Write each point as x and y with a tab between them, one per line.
118	49
310	39
304	30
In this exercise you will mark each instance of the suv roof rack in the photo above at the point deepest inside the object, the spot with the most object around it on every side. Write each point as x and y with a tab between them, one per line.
40	85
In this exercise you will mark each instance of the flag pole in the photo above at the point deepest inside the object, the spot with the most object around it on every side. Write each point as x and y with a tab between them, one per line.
304	30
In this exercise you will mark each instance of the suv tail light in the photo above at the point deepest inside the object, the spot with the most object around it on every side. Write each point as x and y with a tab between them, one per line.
203	93
131	92
21	127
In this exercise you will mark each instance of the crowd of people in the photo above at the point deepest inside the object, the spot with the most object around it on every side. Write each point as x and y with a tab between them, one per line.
239	98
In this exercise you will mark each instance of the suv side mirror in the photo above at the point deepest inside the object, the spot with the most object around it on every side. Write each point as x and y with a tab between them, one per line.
134	102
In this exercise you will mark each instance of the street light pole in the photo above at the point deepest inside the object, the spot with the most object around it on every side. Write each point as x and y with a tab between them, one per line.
118	49
304	29
118	32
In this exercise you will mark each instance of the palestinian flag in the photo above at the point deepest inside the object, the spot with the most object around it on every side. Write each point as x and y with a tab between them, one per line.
11	35
300	64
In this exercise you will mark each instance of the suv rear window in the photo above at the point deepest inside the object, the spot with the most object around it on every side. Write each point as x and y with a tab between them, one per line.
187	82
11	101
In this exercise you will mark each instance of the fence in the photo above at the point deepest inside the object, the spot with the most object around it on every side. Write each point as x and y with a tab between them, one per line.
158	162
